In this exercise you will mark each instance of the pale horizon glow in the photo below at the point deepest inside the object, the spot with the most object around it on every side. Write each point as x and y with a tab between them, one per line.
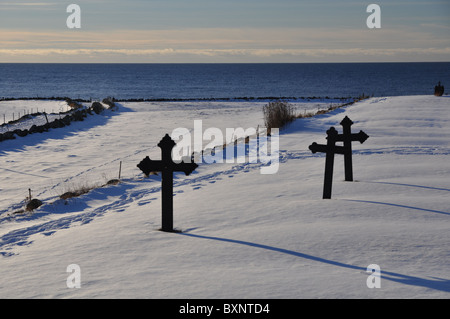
214	32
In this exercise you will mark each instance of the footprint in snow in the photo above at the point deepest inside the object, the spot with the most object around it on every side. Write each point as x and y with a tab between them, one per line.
144	202
49	233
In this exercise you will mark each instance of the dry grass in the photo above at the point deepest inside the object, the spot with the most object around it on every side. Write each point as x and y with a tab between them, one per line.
33	204
81	188
277	114
77	189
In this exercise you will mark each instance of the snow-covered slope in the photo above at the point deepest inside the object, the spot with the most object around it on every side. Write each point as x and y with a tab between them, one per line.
244	234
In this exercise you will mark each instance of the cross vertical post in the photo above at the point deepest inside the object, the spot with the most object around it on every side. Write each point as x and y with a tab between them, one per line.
329	163
346	132
166	145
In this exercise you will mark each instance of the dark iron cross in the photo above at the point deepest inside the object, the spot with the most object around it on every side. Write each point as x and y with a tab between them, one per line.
330	149
166	166
347	137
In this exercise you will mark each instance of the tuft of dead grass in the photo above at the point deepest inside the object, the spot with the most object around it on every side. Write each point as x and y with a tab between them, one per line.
277	114
78	189
33	204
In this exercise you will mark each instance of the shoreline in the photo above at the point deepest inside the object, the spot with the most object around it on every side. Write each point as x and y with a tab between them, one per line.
236	99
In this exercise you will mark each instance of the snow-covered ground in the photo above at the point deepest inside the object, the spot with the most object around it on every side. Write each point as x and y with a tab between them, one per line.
244	234
15	110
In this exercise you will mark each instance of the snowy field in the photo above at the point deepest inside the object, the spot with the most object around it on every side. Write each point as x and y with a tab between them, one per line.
16	109
244	234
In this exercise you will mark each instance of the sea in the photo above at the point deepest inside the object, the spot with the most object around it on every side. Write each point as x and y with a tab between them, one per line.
220	81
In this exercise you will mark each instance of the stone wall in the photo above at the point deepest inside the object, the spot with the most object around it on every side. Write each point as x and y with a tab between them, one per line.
77	115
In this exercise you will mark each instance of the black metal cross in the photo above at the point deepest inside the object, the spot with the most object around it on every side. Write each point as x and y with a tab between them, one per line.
166	166
330	149
347	137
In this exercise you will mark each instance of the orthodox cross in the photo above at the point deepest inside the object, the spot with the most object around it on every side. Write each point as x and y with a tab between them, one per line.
330	149
347	137
166	166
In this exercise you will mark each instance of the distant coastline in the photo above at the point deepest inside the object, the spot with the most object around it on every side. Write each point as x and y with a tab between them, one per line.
234	99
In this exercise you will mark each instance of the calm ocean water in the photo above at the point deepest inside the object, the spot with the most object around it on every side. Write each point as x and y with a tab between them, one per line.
191	81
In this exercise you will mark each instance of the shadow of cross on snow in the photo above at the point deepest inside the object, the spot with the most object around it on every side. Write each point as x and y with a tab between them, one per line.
441	284
166	166
331	148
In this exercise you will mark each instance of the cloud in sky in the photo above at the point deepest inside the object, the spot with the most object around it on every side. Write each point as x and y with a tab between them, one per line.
12	5
342	37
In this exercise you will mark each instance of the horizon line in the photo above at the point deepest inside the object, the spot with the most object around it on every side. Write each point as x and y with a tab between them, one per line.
317	62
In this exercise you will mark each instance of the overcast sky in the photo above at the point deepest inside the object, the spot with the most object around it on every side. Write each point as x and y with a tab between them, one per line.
224	31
